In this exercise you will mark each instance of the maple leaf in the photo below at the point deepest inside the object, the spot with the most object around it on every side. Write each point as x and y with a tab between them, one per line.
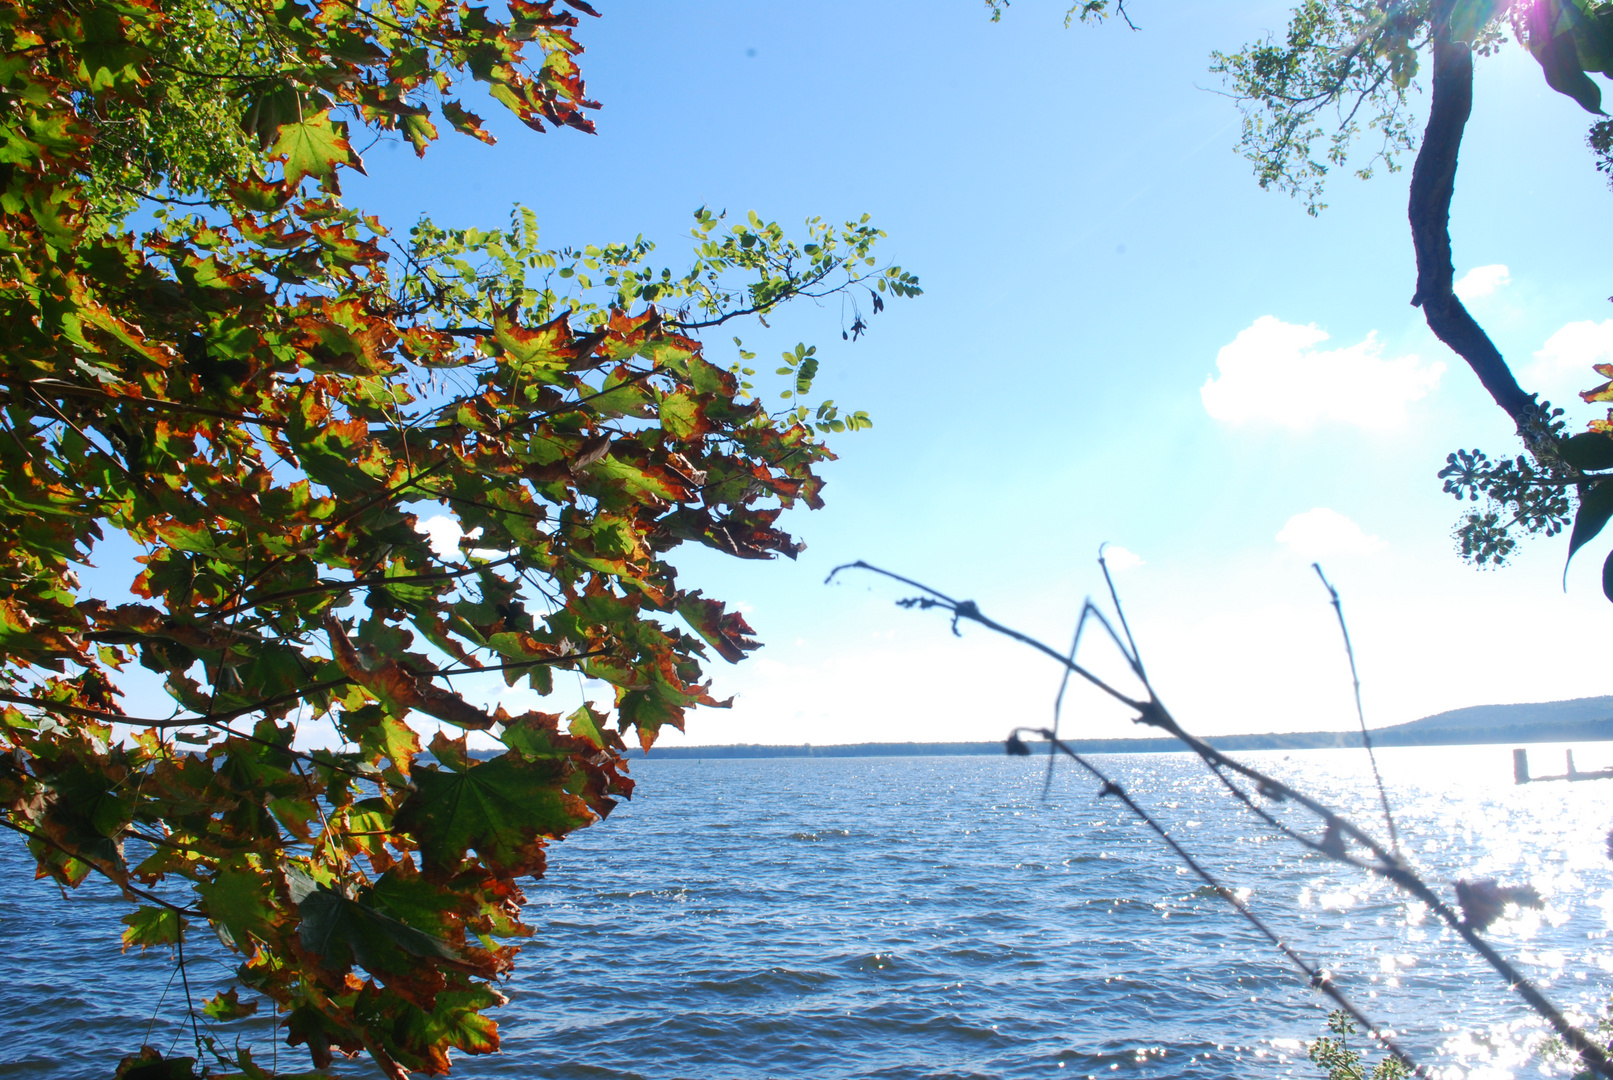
314	146
455	1020
466	121
342	932
504	809
240	901
227	1005
683	416
540	350
399	689
725	631
149	1064
148	926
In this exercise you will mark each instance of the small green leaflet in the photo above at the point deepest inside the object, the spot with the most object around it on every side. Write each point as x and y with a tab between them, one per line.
227	1005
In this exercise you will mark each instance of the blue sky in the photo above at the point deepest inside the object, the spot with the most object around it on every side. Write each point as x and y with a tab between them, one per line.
1094	253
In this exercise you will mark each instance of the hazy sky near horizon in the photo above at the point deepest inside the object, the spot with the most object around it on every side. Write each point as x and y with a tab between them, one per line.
1122	339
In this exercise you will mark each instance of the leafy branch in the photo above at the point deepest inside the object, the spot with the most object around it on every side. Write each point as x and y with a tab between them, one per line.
265	398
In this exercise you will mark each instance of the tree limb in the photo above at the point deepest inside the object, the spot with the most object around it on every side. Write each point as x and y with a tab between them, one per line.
1433	183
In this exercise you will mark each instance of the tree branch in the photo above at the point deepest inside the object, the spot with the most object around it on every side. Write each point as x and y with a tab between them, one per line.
1433	183
1339	829
67	389
373	582
46	838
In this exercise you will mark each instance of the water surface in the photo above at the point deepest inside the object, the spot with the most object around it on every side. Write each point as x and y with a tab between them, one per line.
937	918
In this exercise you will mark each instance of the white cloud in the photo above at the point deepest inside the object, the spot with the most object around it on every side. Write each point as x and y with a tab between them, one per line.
1570	352
1482	281
1272	372
444	534
1120	559
1321	531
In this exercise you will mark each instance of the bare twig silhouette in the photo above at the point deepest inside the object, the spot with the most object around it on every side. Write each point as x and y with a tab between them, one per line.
1319	979
1360	713
1338	835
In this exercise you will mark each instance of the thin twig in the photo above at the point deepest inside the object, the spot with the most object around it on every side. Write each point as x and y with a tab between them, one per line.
966	609
1134	655
45	838
1064	683
372	582
1360	714
1318	978
67	389
158	1008
1339	830
184	979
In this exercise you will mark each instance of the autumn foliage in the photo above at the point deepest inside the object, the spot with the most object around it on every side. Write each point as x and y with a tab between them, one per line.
265	395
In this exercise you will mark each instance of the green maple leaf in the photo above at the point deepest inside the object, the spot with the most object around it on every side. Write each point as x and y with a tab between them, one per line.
682	416
344	932
456	1020
239	901
504	809
150	926
413	900
585	723
314	146
382	736
149	1064
227	1005
540	350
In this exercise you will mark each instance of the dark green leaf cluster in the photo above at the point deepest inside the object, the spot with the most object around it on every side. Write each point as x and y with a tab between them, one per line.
1344	67
1338	1061
1600	140
1530	496
1554	1051
1571	39
1519	495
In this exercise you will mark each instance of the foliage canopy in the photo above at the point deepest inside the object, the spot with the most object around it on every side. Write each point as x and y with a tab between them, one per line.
264	389
1348	69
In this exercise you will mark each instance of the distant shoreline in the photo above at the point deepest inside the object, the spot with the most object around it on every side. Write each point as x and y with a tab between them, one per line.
1565	731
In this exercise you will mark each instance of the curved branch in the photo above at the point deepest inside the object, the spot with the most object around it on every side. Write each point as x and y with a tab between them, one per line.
47	839
1433	183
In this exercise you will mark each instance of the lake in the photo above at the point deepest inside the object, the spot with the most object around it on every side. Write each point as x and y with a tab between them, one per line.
937	918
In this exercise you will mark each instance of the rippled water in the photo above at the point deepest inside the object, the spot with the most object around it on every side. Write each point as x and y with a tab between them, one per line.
934	917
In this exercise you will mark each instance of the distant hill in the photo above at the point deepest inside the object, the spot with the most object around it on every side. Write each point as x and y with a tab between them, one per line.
1577	720
1483	717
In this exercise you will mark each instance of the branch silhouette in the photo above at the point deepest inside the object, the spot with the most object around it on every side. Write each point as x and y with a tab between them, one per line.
1319	979
1360	713
1338	832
